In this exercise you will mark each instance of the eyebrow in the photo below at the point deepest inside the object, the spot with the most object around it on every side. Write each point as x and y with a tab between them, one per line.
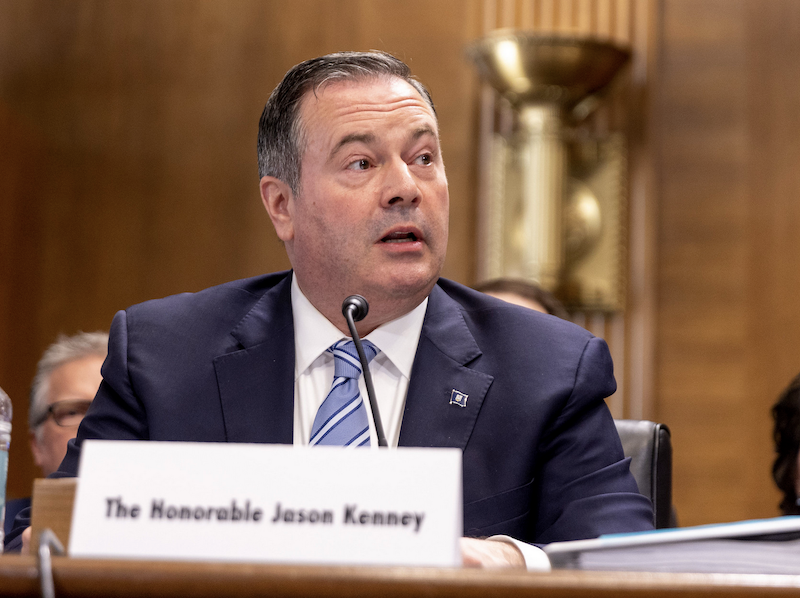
352	138
369	138
422	131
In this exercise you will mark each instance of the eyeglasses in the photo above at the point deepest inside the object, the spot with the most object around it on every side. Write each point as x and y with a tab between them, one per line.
66	413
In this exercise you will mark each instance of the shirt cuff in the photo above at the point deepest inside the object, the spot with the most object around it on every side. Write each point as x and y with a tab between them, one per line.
535	557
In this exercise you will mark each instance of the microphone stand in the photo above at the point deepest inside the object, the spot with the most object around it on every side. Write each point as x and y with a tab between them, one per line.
355	309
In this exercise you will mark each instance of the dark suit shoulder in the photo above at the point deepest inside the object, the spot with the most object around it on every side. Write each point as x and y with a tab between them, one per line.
221	306
189	325
520	345
243	292
485	314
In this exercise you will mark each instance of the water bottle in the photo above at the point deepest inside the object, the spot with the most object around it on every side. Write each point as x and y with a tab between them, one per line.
5	442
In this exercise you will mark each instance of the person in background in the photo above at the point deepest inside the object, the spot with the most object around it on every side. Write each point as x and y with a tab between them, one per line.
67	378
786	434
524	293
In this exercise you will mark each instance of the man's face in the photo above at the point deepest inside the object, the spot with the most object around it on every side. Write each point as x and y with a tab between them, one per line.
75	380
371	213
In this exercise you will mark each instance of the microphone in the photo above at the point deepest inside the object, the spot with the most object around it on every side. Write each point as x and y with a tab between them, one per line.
354	309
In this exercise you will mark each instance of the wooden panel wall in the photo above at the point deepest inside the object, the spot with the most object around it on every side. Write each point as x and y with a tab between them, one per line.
127	162
127	171
729	252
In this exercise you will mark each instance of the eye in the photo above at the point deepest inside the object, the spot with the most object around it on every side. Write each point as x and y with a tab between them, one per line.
362	164
424	159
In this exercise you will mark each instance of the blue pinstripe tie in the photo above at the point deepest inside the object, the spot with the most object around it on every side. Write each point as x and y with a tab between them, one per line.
342	418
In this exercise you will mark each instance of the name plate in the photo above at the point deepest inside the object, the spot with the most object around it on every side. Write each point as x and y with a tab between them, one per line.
268	503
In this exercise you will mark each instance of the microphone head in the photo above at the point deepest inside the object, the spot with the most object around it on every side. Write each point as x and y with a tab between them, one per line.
357	306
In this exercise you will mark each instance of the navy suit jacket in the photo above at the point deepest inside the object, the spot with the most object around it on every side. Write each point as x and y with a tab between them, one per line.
541	457
13	507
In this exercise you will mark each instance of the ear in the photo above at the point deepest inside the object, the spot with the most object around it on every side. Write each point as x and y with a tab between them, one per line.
278	200
35	450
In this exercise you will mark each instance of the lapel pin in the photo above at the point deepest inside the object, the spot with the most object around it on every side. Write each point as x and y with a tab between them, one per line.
458	398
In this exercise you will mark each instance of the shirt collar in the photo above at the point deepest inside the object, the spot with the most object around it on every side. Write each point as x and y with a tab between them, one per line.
314	333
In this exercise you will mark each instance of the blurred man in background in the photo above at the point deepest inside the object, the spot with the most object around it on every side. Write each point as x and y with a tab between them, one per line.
67	378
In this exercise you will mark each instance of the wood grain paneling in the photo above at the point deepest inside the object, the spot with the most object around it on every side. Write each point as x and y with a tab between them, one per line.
773	292
729	255
127	172
21	156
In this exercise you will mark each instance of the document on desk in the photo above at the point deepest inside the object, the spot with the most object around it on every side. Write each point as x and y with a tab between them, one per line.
268	503
769	546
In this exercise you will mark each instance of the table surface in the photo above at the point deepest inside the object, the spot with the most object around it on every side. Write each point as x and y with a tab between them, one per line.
88	578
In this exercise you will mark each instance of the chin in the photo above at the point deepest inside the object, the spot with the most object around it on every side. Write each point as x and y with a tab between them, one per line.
409	287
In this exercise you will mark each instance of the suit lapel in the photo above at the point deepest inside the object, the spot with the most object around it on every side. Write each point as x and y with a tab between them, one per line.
256	383
446	347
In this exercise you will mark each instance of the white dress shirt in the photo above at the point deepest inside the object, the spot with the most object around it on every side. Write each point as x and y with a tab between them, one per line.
390	369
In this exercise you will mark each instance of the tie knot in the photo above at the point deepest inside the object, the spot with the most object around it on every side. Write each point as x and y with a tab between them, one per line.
345	355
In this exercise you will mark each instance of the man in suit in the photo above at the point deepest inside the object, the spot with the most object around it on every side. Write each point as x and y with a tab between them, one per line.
353	180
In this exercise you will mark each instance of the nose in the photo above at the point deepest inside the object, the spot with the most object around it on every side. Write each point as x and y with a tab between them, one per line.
400	187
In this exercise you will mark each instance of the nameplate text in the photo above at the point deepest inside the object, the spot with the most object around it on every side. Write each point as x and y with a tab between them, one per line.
268	503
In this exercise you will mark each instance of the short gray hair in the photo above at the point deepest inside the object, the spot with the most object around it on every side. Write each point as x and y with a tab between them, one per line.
280	134
64	350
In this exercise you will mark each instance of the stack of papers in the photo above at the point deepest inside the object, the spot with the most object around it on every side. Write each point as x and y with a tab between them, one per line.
770	546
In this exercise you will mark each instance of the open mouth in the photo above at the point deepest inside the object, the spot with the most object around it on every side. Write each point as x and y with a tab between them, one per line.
399	237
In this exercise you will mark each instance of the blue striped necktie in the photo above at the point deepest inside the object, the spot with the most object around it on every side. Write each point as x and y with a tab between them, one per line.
342	418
